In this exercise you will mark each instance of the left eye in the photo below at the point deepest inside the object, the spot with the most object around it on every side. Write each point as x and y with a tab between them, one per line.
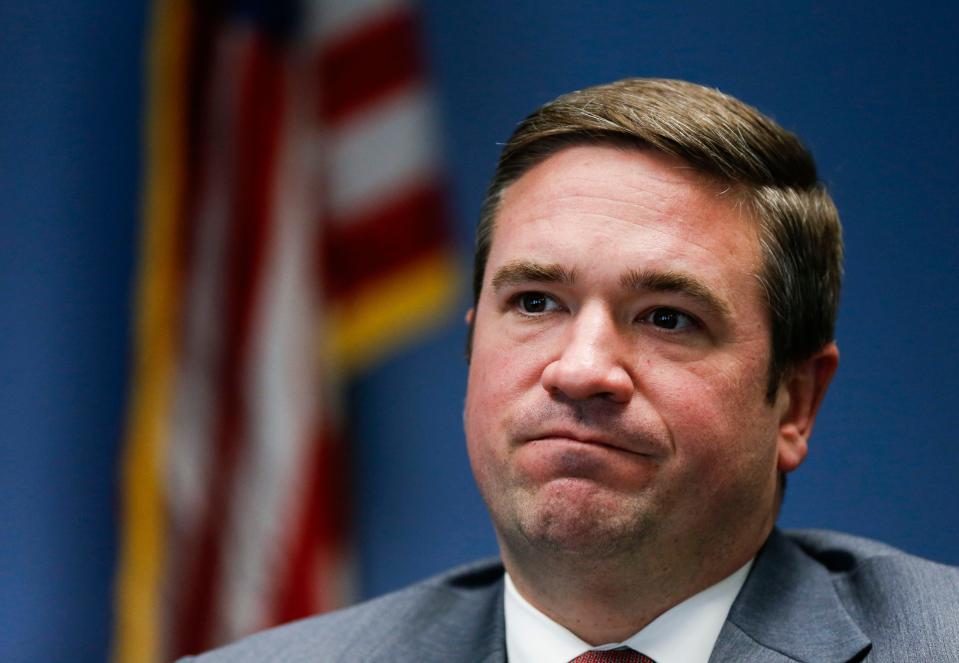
669	318
531	303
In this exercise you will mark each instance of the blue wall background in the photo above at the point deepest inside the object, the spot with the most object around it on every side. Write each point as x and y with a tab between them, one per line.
871	87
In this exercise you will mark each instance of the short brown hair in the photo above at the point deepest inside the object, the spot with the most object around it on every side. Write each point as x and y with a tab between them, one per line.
720	136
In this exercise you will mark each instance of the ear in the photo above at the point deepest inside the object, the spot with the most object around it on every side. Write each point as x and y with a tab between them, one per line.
798	399
470	319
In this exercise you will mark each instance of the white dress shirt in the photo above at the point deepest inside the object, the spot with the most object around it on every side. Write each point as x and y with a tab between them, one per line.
686	633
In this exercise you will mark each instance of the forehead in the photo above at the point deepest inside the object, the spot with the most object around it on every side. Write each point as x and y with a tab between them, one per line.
613	205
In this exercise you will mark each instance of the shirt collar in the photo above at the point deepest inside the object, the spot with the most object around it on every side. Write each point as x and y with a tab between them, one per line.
686	633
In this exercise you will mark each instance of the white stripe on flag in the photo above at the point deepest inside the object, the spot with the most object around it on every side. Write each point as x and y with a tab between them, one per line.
384	151
326	19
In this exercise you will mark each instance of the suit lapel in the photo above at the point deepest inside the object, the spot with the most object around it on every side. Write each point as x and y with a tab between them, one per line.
491	643
467	625
788	610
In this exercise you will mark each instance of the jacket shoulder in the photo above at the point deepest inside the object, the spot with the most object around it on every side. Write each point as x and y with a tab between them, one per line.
900	601
845	555
439	614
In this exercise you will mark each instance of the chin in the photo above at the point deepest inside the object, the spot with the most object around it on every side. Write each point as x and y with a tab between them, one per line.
578	517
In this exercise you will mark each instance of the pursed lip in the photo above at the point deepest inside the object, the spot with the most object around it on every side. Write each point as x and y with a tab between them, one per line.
591	438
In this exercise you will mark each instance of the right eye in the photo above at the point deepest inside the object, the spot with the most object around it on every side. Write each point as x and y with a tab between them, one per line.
534	303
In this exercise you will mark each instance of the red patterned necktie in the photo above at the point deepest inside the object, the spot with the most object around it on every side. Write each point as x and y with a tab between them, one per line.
621	655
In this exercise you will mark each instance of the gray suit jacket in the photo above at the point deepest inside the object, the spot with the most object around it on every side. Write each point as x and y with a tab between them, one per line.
811	596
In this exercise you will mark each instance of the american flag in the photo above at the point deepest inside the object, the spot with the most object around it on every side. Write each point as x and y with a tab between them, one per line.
294	232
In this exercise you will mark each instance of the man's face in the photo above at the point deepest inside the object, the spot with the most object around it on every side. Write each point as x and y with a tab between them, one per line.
617	383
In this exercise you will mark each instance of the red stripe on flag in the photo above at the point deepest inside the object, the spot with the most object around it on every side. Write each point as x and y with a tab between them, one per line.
375	245
197	112
258	132
361	68
319	535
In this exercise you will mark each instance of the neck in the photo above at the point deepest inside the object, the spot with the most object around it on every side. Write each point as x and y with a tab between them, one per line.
609	600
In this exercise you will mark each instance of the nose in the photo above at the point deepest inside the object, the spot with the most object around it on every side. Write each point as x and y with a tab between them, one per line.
591	361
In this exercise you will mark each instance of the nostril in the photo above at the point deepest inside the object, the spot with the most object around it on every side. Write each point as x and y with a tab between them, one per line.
581	380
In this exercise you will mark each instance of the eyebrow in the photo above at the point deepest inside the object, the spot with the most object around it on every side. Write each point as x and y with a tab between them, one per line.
684	284
637	280
516	273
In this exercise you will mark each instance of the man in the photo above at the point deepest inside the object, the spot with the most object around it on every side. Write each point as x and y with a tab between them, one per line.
656	281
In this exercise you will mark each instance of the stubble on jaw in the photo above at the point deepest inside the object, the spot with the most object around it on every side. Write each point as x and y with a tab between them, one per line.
573	519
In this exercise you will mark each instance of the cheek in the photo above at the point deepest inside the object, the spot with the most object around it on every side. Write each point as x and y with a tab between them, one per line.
490	388
486	385
501	370
714	415
487	444
501	385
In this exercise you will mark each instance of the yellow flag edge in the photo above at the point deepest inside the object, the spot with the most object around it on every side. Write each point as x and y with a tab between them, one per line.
391	312
137	594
